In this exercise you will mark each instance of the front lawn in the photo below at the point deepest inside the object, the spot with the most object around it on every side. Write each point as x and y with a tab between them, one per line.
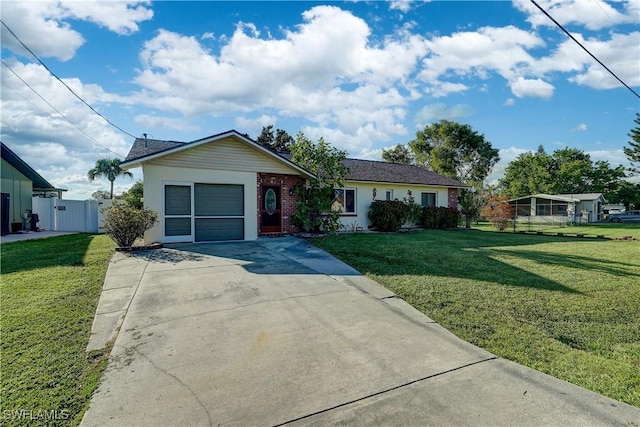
565	306
50	290
607	229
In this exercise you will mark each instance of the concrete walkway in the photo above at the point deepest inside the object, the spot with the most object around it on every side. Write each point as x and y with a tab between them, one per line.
31	235
277	332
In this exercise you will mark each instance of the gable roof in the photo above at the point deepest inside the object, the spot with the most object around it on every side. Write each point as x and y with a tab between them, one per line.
144	149
39	183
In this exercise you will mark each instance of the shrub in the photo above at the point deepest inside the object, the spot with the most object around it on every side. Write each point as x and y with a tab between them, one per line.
414	210
498	211
125	224
388	215
439	217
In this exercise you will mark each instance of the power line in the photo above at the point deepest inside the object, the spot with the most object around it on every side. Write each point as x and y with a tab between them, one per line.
584	48
65	85
55	109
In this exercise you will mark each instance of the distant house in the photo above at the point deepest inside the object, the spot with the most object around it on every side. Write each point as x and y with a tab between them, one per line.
581	208
20	182
228	187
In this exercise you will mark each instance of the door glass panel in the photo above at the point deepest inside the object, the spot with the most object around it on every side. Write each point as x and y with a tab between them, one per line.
177	226
215	229
177	200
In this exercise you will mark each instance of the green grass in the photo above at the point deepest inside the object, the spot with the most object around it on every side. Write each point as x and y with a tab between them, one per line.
50	290
566	307
609	230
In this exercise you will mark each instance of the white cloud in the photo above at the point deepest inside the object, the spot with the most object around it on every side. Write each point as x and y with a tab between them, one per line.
440	111
476	54
401	5
325	71
153	121
43	25
619	53
592	14
58	150
581	127
254	126
510	102
522	87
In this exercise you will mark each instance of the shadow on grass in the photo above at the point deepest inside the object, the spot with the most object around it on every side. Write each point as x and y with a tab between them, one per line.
615	268
60	251
463	255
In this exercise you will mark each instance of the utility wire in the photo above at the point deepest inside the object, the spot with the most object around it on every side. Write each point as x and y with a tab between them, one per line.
584	48
55	109
65	85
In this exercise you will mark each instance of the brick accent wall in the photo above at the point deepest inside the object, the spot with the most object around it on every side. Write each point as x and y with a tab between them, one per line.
453	197
286	183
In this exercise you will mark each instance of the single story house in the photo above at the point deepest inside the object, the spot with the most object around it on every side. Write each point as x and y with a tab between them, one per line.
228	187
586	207
20	182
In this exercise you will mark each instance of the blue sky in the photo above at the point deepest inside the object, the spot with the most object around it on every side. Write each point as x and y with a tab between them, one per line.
363	75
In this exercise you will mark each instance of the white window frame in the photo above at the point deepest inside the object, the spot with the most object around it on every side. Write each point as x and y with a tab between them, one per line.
435	193
355	200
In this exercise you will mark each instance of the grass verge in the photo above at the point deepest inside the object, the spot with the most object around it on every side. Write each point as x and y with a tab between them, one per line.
50	290
566	307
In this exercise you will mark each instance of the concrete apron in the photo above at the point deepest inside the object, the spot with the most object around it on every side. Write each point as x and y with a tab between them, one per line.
277	331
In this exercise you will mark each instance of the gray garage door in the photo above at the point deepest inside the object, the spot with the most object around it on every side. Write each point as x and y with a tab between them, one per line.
218	211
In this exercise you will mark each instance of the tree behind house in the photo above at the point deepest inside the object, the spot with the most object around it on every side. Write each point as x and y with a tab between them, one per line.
108	168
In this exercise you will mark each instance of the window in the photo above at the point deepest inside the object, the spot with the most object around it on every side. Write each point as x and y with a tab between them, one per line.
344	200
428	199
389	195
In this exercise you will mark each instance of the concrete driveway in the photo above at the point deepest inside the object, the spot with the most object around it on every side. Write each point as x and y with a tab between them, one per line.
278	332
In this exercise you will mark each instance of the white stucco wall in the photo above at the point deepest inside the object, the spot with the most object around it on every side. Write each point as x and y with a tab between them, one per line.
156	176
364	197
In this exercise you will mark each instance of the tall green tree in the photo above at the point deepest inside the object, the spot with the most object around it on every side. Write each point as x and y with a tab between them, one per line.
399	154
279	141
529	173
633	150
628	195
314	211
457	151
108	168
567	170
454	150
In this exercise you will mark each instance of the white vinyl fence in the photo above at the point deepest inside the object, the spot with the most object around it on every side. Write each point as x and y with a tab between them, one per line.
69	215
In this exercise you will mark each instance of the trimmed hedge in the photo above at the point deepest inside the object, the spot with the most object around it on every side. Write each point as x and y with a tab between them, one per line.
388	215
439	217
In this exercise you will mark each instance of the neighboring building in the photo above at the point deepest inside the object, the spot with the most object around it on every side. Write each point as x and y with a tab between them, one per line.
253	188
558	208
20	182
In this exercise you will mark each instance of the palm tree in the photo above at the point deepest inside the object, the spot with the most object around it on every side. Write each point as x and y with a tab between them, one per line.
110	169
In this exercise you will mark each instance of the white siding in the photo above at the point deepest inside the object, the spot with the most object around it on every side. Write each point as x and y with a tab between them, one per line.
226	154
155	176
364	197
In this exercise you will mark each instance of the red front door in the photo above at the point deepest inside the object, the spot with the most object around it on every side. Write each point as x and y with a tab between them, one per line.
271	209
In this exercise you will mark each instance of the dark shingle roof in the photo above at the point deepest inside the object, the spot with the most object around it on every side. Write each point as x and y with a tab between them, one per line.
143	147
38	182
375	171
359	170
